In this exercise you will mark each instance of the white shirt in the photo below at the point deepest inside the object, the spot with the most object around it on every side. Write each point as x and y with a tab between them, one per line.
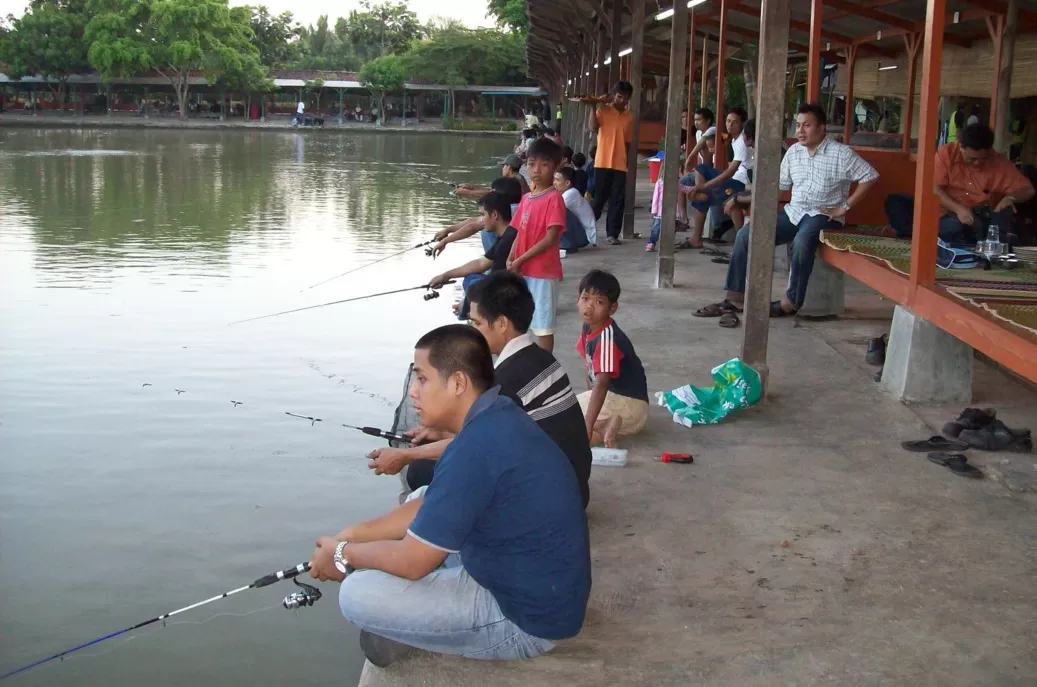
579	206
743	154
301	107
821	180
973	119
514	346
705	157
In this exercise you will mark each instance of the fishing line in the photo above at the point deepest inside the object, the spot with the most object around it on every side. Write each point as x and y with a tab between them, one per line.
307	597
375	262
432	293
425	175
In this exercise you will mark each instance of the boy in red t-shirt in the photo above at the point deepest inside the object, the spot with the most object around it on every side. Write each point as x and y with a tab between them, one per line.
540	221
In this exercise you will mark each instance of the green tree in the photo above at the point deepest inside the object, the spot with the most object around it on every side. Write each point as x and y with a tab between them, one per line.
383	75
276	37
469	56
383	29
47	41
176	38
510	14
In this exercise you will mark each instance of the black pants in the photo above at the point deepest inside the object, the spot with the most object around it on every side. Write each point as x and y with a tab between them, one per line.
610	186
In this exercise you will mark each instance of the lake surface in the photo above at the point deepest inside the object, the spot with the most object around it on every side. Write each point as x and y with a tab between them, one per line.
123	257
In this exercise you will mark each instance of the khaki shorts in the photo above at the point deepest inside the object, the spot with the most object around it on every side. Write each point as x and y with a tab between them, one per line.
631	411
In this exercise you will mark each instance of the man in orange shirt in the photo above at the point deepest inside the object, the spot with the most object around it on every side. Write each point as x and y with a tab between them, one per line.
976	185
614	125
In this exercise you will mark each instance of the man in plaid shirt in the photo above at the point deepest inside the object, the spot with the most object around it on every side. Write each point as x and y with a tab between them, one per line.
820	172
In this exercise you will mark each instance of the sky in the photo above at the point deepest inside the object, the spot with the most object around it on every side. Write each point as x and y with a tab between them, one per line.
471	12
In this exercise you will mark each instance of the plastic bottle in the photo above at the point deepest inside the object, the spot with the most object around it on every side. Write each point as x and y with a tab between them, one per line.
994	234
608	457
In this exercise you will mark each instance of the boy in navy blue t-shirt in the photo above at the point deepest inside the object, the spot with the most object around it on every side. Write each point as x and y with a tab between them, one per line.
617	403
502	516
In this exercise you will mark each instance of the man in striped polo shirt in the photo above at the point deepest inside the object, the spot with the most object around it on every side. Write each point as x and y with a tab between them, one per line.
502	310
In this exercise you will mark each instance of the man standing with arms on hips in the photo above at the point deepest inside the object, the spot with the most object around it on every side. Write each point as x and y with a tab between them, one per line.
614	125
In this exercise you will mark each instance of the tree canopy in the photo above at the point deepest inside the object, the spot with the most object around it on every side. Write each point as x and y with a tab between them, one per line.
510	14
468	56
383	75
47	40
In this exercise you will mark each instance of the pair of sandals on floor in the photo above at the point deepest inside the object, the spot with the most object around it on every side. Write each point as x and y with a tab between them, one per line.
728	312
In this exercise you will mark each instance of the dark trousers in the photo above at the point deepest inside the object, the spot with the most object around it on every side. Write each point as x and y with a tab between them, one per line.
900	210
610	186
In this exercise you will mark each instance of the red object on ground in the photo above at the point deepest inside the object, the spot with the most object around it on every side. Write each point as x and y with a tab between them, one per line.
682	458
654	166
253	112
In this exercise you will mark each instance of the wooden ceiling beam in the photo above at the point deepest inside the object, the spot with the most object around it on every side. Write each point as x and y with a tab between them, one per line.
904	26
1028	17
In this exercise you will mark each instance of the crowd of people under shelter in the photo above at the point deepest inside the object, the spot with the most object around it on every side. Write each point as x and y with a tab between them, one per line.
489	556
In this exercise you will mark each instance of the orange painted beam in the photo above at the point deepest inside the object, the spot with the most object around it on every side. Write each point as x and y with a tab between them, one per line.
868	271
720	153
813	94
927	207
691	75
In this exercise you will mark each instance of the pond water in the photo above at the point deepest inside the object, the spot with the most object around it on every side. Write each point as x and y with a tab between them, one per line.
131	484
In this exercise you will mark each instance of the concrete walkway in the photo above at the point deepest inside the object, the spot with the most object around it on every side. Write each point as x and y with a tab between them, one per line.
803	547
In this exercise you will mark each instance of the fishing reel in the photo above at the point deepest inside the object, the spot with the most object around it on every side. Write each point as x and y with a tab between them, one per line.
307	597
431	295
431	252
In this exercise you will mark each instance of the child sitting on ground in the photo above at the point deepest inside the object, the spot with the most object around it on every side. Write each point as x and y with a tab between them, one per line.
540	220
617	403
575	203
495	213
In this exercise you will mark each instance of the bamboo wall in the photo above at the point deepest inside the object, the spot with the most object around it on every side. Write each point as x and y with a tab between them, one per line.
966	72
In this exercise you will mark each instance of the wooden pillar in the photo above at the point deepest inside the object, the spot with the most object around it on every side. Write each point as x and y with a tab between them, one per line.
1003	100
770	125
851	116
927	207
691	76
636	77
996	28
814	54
913	41
672	161
704	82
720	153
617	32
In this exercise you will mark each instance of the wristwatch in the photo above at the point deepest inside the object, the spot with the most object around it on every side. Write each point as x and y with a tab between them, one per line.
846	206
341	563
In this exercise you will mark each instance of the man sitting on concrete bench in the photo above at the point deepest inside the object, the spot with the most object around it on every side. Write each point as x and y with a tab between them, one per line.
819	171
493	561
977	187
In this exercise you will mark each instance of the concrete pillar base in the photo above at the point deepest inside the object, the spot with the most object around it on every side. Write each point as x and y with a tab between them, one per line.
925	364
826	292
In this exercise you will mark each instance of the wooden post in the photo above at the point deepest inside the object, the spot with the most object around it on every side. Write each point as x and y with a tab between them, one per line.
927	208
913	41
672	161
691	77
636	77
617	31
704	81
996	29
813	94
850	116
770	125
1003	100
720	152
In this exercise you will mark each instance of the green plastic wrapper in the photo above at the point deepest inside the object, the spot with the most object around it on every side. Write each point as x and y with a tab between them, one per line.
737	386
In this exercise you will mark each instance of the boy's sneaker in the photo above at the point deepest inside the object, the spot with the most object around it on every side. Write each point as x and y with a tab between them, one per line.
970	418
649	247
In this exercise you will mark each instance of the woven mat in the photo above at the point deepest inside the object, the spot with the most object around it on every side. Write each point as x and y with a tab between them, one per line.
1021	314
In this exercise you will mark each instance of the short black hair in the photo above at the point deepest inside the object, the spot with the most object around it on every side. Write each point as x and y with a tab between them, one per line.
529	133
548	131
740	111
497	202
567	153
706	114
568	173
509	187
749	130
504	294
579	160
544	149
816	110
624	87
600	281
459	348
976	137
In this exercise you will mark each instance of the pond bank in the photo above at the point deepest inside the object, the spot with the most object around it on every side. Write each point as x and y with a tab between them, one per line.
803	546
281	124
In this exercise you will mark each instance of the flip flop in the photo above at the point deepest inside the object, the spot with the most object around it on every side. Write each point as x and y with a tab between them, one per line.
956	463
778	311
717	309
934	443
722	260
706	250
729	320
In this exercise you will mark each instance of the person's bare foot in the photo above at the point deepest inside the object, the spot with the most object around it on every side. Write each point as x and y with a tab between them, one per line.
611	431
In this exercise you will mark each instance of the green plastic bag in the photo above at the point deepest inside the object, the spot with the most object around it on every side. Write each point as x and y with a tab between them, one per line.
737	386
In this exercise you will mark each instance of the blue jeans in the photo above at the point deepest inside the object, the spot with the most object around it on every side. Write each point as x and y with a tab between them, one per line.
804	237
900	210
466	305
657	226
719	194
446	612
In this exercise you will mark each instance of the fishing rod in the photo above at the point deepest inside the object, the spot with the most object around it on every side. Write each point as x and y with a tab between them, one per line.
375	432
307	597
375	262
425	175
432	294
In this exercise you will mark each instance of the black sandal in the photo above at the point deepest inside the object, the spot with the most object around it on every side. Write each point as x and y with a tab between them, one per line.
956	463
778	311
717	309
729	320
934	443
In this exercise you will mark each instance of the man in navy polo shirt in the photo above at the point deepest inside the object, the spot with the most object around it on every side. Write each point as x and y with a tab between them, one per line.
502	516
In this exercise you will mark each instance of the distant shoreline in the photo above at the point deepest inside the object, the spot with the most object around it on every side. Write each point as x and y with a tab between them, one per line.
133	122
